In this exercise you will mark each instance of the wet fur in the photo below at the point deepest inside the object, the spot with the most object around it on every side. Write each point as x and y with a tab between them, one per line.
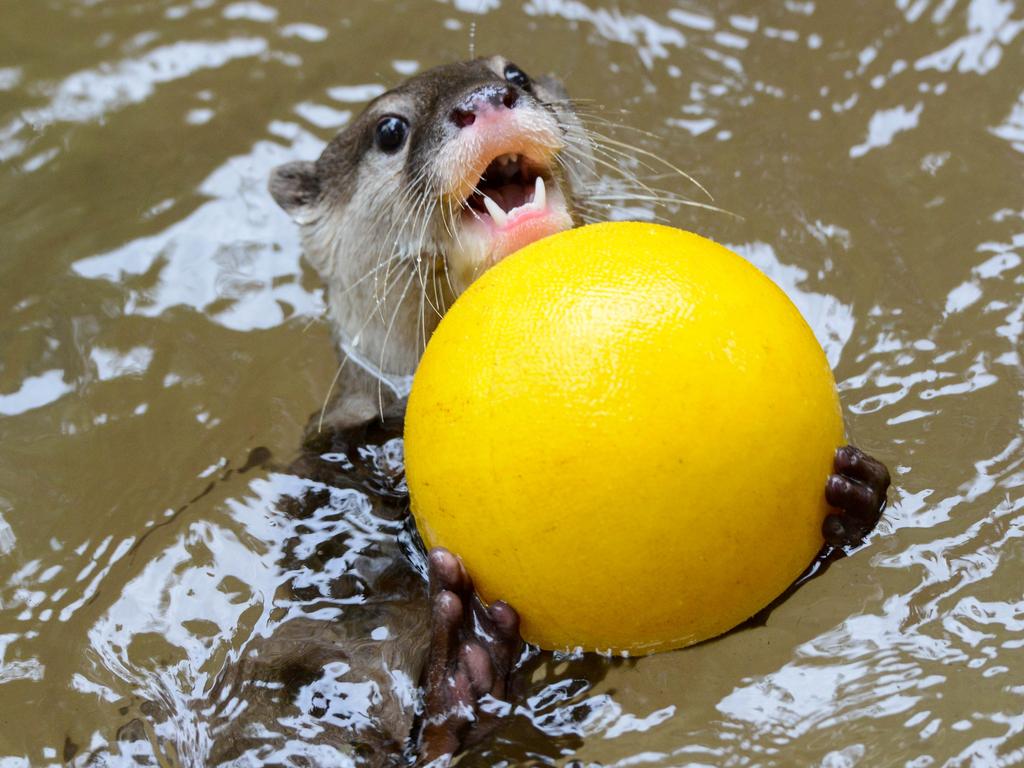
378	228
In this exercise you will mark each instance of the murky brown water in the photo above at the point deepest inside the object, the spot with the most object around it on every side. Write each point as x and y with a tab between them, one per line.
158	326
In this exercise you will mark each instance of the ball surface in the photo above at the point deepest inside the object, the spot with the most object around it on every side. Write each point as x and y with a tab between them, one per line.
624	431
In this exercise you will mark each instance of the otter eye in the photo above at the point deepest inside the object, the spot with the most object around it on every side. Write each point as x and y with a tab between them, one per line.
517	77
390	133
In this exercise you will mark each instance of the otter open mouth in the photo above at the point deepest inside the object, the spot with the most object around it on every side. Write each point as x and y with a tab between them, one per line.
515	201
510	187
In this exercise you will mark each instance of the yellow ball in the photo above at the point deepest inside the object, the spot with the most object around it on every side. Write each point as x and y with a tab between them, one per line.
624	431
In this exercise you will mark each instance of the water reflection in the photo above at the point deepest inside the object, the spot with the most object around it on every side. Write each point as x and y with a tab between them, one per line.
92	94
35	392
233	258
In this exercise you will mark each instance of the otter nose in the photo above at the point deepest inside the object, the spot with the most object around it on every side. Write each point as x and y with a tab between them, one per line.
482	99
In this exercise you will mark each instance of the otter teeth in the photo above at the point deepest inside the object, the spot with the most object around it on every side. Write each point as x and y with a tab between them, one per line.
497	214
500	216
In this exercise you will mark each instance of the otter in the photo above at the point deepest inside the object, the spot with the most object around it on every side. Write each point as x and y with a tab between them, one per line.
434	182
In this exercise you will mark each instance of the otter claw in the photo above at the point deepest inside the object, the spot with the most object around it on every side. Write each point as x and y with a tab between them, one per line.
472	651
857	490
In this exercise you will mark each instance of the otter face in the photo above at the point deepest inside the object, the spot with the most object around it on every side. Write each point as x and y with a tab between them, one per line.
437	180
490	151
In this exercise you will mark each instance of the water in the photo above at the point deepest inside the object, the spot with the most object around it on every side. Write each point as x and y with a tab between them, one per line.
160	333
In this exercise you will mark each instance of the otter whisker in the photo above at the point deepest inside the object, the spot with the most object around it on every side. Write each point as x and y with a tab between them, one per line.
621	171
381	264
314	319
395	254
423	221
616	154
458	243
438	298
330	391
419	211
654	194
611	148
591	142
419	258
463	206
608	212
387	336
653	156
667	200
344	359
590	115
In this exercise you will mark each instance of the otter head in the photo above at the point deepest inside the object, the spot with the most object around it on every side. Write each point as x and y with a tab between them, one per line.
437	180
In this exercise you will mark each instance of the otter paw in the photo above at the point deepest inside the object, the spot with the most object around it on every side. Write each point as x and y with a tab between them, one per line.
472	651
857	490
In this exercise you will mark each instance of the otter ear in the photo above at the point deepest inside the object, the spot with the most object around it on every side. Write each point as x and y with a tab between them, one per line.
295	185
